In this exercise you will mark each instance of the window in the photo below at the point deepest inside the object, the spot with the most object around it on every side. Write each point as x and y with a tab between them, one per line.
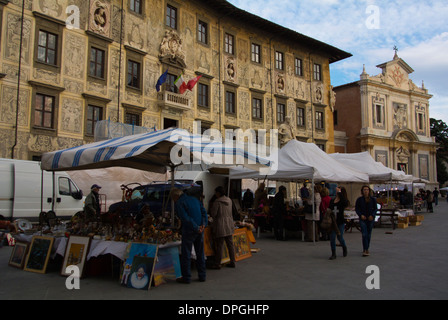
279	60
133	74
132	118
255	53
301	117
298	67
319	120
171	17
281	112
47	47
203	95
204	128
94	114
169	84
317	72
420	122
135	6
321	146
378	113
96	63
202	32
66	187
229	43
230	102
44	111
257	108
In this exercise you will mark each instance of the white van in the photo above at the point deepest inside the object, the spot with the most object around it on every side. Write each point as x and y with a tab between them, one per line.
208	181
26	190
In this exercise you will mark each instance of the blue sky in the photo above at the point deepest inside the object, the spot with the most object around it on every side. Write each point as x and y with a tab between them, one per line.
369	30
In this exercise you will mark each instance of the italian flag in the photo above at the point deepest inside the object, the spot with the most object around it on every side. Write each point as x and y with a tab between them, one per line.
180	84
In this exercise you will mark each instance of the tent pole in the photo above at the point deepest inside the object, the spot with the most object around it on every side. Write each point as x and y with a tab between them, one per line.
314	209
172	201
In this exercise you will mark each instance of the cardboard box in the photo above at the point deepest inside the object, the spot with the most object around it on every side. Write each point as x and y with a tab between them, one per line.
403	225
416	218
403	219
415	224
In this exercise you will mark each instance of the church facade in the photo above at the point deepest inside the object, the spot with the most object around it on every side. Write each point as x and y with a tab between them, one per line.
388	116
71	63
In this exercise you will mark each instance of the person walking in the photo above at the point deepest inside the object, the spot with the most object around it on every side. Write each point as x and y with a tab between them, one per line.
261	197
194	220
366	209
429	201
248	199
436	196
340	202
324	205
92	208
279	210
222	227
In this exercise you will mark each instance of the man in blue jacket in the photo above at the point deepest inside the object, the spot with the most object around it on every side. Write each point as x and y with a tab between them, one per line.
194	220
366	208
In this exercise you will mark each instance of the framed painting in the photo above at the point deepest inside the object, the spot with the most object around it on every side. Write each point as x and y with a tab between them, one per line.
209	247
167	266
39	254
18	255
241	244
138	251
141	273
76	254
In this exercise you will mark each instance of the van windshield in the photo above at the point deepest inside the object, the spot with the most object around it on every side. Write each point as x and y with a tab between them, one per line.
157	193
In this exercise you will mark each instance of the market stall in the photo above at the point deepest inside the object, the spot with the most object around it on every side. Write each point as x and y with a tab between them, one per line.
298	161
154	152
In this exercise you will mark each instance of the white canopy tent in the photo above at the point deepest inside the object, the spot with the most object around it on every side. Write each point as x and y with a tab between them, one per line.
299	160
377	172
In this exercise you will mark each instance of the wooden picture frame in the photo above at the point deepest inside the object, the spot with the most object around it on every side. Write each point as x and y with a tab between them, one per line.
76	253
241	244
18	254
39	254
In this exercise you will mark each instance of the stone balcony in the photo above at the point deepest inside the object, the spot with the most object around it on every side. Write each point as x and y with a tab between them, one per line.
169	100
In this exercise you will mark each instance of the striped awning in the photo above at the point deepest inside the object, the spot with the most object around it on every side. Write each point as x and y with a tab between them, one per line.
151	152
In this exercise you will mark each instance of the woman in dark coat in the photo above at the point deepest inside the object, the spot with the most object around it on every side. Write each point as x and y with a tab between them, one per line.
340	202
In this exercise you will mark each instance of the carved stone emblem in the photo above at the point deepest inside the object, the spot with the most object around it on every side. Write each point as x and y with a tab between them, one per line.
171	49
397	76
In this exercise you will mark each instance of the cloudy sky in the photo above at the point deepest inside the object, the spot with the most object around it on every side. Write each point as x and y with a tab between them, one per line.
369	30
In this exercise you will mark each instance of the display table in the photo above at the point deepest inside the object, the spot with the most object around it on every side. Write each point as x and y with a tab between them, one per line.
97	247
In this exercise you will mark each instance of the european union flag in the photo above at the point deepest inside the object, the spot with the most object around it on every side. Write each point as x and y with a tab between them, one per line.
161	80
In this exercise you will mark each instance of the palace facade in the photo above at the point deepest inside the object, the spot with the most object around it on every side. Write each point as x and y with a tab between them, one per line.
71	63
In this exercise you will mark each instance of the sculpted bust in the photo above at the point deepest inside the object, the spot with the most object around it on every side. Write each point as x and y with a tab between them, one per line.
286	132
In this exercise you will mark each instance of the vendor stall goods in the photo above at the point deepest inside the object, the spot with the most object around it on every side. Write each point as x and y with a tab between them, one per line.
39	254
76	253
18	254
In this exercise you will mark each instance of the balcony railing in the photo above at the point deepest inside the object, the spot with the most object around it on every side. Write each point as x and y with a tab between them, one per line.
167	99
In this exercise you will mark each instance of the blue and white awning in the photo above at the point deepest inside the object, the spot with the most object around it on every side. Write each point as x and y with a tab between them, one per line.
152	151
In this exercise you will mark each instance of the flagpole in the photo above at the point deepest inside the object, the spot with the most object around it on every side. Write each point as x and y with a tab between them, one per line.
119	62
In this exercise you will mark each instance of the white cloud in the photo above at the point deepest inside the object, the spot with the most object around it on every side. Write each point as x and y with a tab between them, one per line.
418	28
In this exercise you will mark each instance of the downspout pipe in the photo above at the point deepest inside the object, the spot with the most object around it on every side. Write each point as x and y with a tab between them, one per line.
16	134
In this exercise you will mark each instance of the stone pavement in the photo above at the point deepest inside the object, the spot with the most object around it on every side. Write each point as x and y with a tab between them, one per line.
412	264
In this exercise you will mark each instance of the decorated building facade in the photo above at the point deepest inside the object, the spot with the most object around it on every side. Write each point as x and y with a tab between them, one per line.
71	63
388	116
